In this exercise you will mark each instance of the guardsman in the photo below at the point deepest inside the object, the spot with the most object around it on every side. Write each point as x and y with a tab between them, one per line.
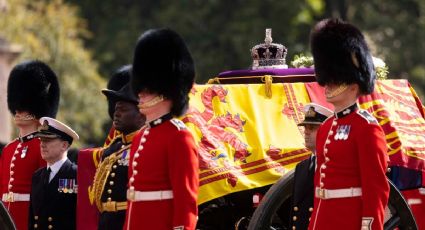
303	194
163	169
111	179
351	189
54	188
32	92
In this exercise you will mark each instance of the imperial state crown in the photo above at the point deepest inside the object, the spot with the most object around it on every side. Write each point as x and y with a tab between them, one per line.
269	55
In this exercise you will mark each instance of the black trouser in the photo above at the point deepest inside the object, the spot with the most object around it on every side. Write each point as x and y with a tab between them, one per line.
111	220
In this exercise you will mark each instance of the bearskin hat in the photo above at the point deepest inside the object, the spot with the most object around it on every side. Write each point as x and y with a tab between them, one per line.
162	64
33	87
118	79
341	55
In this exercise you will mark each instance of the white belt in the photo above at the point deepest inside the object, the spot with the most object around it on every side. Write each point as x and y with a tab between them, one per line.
12	197
152	195
414	201
337	193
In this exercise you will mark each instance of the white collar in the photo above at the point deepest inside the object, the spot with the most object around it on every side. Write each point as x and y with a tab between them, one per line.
56	166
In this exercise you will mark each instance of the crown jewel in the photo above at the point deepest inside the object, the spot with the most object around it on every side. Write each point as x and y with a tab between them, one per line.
269	55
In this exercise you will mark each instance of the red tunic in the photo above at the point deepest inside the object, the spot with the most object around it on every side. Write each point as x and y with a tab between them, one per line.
19	160
168	161
356	157
416	199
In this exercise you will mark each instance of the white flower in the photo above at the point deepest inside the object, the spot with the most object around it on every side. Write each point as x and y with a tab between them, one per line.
378	63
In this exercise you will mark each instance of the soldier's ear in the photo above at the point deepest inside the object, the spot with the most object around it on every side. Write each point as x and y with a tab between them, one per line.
354	88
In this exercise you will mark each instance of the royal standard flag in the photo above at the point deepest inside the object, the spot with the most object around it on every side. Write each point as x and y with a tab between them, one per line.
246	139
247	134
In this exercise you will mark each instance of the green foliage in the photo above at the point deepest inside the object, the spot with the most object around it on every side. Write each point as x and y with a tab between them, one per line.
396	32
220	33
52	32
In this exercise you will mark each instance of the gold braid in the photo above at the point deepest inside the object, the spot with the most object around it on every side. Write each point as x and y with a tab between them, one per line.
102	173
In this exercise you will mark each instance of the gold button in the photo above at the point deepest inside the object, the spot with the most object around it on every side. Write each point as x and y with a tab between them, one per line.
310	209
114	166
322	175
112	174
293	227
35	217
109	199
109	191
294	218
111	182
50	218
295	208
50	227
35	226
321	184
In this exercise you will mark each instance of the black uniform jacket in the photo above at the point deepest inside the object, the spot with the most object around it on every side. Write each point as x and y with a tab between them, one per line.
302	203
115	187
53	205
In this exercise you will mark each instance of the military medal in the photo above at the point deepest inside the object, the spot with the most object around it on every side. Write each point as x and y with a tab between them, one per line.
75	186
342	132
24	152
124	158
65	189
338	130
71	186
347	131
61	185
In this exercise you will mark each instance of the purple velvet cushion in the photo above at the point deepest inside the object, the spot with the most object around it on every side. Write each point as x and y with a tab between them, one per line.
262	72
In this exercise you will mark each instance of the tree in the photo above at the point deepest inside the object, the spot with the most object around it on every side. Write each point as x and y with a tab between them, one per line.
52	32
220	34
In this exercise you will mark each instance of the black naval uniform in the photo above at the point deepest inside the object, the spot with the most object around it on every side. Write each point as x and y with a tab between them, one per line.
303	194
113	198
53	205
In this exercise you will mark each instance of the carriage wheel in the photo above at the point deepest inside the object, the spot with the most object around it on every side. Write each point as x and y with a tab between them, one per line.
264	216
6	222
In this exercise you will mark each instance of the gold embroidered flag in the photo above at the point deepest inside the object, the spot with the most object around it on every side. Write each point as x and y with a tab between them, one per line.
246	139
400	114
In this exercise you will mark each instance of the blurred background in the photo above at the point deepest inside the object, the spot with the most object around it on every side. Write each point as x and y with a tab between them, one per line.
84	41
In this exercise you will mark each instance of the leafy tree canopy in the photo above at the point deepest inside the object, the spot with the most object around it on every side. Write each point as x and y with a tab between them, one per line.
51	31
220	33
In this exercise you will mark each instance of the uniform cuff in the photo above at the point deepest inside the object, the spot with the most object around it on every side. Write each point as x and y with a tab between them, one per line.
367	223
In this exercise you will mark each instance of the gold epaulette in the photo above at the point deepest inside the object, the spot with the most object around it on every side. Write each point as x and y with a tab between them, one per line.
102	173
